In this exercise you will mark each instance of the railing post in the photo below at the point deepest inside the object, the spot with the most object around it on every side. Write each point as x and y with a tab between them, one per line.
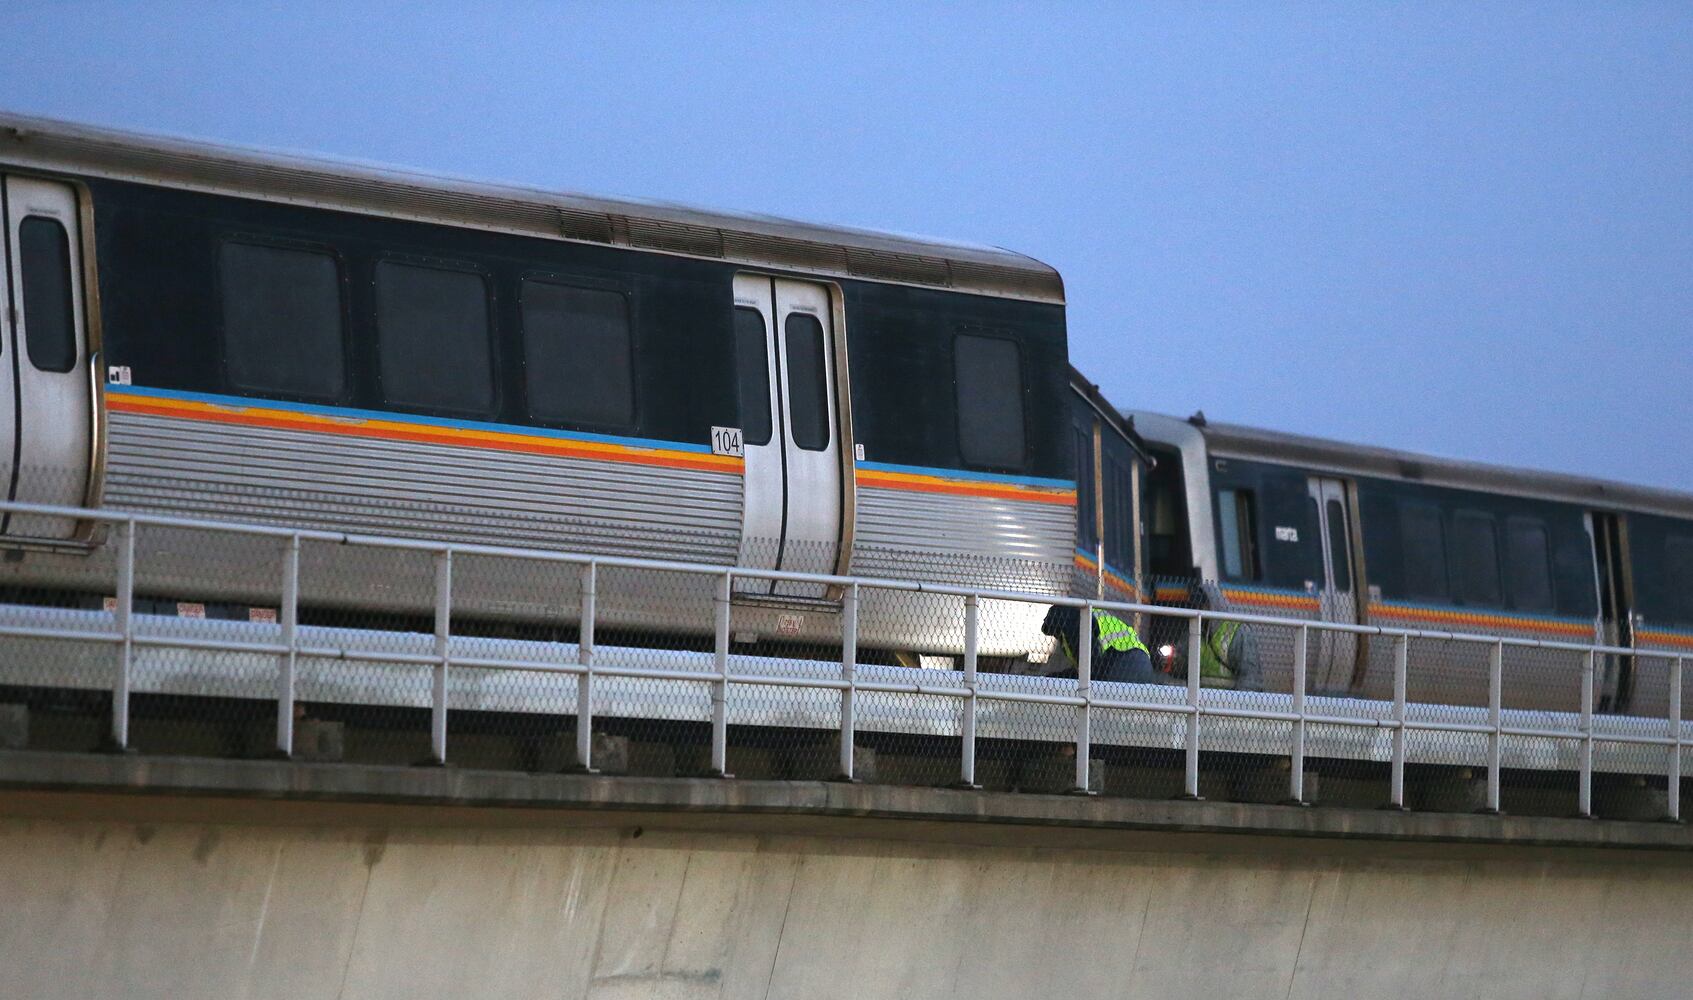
849	670
1084	691
1401	662
125	615
967	734
1195	640
1673	802
289	617
443	643
1495	720
585	680
720	687
1584	785
1296	777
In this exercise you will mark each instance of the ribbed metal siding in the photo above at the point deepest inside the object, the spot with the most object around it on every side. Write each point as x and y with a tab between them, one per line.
423	490
958	539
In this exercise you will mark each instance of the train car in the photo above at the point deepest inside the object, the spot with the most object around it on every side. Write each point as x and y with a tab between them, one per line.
1110	462
230	334
1311	528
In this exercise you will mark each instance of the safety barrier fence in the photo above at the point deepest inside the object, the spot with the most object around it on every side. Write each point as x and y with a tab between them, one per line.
685	660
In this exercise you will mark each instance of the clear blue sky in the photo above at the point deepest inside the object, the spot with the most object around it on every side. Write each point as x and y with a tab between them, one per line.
1464	229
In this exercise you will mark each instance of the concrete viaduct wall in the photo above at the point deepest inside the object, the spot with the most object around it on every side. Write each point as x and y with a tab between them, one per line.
115	895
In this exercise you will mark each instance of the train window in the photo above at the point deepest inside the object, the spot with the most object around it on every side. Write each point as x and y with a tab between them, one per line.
283	324
1237	513
1164	511
1086	522
1423	541
988	375
752	364
577	356
1119	514
1475	558
1528	564
44	256
432	333
808	381
1678	573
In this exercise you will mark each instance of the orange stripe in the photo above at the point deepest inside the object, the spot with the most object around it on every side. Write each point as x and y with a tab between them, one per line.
996	491
1480	620
1115	580
1297	602
354	427
1664	638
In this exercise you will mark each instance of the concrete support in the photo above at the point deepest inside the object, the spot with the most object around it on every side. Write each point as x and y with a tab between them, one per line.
14	727
1057	773
1452	790
820	761
558	752
401	901
319	740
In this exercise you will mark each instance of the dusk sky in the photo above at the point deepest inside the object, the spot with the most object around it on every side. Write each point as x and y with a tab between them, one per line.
1462	229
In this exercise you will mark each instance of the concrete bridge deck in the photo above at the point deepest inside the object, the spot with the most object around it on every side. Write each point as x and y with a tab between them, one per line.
148	877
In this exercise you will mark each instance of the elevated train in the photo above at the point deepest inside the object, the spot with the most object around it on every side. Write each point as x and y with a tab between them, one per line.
245	336
1310	528
213	332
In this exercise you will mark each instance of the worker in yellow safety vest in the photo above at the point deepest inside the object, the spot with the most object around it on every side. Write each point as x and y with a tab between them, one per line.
1228	656
1118	653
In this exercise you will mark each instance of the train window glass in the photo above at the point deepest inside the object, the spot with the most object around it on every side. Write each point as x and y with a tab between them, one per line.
577	354
1528	564
282	320
752	364
988	375
1339	545
1086	522
1119	514
432	331
1422	539
1678	573
44	257
808	378
1475	558
1164	512
1236	510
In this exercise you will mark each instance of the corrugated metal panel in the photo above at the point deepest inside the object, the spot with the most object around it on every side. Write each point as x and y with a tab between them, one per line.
987	542
422	490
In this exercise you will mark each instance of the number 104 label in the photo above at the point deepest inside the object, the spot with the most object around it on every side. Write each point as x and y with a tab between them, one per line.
726	441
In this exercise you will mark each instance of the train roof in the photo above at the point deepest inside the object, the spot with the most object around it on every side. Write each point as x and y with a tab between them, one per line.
757	240
1122	425
1322	454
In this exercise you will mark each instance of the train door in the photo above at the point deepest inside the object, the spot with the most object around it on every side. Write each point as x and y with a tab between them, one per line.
1329	662
46	421
1616	606
791	435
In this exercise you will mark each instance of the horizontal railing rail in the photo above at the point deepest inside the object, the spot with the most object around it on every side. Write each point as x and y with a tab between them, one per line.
290	646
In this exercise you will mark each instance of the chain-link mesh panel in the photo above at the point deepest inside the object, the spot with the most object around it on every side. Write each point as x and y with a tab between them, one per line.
363	672
1349	765
1631	767
208	665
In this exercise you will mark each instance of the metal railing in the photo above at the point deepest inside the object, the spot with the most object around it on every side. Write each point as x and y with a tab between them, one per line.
1192	711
